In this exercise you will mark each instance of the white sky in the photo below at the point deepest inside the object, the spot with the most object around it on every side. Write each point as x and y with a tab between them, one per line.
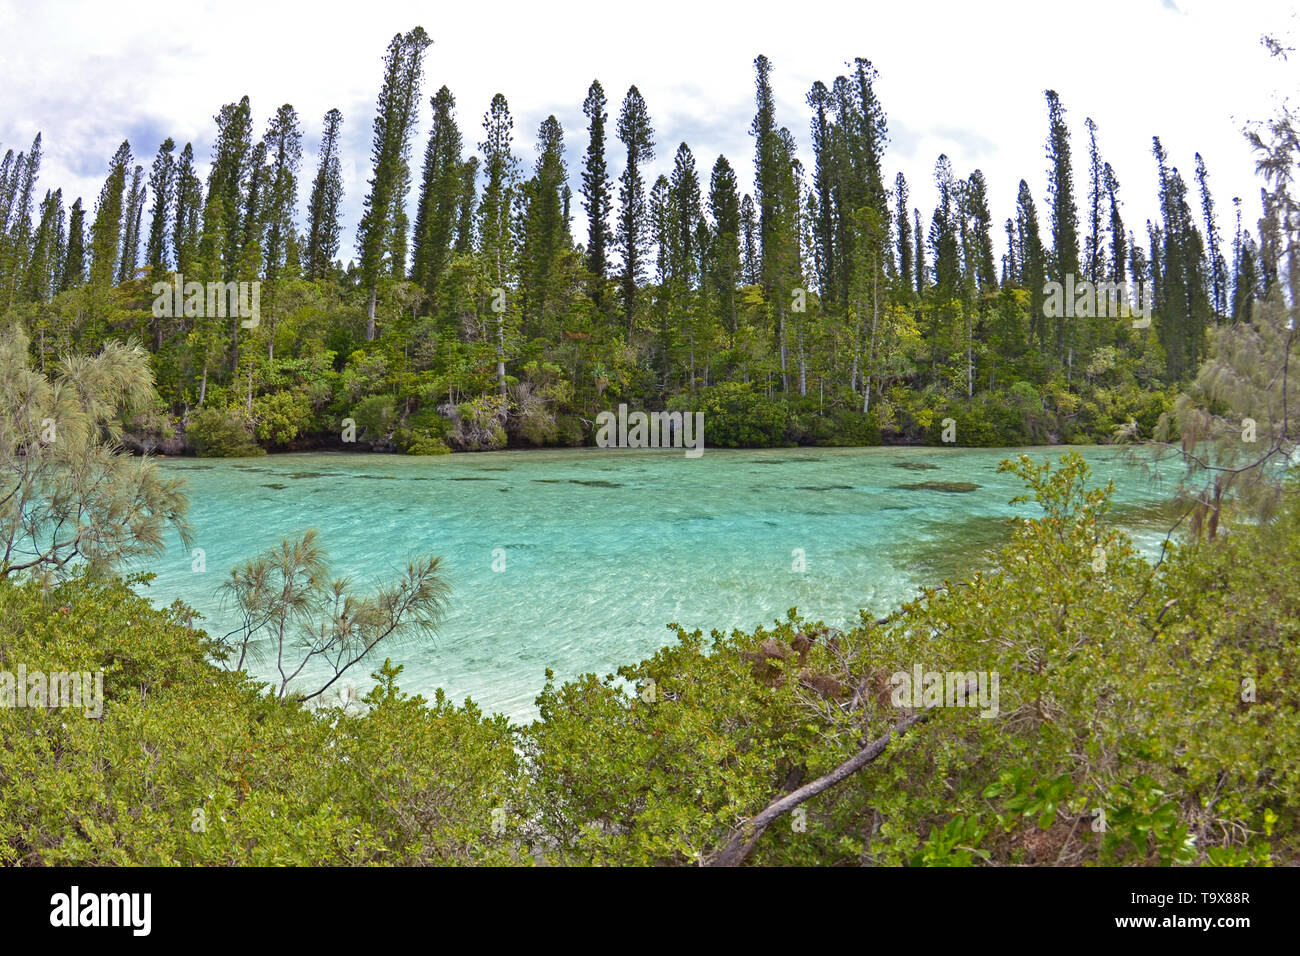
962	78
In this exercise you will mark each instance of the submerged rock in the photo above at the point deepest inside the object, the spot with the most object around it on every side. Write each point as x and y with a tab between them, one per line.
954	487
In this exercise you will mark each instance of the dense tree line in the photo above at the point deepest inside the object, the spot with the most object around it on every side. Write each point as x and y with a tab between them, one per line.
478	318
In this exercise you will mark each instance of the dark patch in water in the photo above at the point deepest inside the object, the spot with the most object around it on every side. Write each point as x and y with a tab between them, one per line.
594	483
276	487
377	477
475	479
421	478
305	474
916	466
825	488
778	461
549	481
503	489
953	487
494	469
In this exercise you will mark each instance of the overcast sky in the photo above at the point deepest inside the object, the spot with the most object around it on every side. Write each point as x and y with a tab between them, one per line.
961	78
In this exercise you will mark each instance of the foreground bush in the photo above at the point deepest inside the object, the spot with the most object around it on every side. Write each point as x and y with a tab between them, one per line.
190	764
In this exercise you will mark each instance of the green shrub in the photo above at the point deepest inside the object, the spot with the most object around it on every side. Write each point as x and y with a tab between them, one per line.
189	764
569	431
423	433
281	416
221	433
736	416
375	416
833	426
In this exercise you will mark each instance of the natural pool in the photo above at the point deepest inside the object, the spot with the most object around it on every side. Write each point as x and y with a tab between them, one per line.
600	549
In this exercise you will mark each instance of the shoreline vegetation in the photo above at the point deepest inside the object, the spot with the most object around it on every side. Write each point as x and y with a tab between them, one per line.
819	308
1130	711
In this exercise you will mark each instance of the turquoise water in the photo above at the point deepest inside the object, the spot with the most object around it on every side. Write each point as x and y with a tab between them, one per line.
602	548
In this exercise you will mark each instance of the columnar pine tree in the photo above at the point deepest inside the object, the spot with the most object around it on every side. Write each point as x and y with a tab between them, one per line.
596	198
750	256
440	194
253	213
825	186
43	266
1117	248
284	152
496	232
16	245
545	230
74	263
981	241
1064	218
187	220
944	244
466	208
724	261
1213	242
766	161
384	215
1094	254
904	229
228	181
162	184
1033	263
918	244
135	200
1245	271
106	232
637	136
323	225
1010	263
684	258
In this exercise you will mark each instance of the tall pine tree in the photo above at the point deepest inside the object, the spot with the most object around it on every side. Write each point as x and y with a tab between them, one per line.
323	226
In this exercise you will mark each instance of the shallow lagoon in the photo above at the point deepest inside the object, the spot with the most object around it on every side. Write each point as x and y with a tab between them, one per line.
602	548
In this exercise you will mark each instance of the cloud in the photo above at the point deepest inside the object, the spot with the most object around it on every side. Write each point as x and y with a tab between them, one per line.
956	78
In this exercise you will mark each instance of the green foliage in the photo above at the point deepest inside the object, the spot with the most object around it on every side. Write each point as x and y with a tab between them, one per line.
221	433
423	433
68	495
290	609
834	426
281	416
376	416
736	416
192	765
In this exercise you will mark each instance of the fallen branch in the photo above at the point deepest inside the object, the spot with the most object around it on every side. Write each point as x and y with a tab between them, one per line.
746	836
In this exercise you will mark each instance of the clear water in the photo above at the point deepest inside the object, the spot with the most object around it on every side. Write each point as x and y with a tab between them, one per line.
603	548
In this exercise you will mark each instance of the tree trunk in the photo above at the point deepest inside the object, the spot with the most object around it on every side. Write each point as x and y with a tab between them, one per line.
501	352
785	375
742	843
871	356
